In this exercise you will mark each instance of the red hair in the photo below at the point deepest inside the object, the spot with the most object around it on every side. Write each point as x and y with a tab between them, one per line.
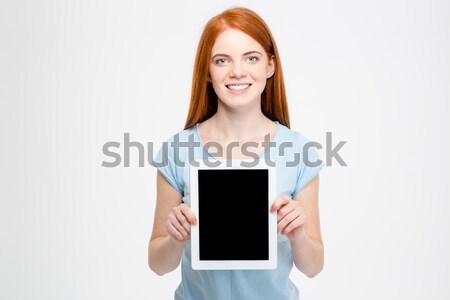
203	103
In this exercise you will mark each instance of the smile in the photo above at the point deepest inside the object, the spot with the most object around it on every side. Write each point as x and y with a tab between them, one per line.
238	87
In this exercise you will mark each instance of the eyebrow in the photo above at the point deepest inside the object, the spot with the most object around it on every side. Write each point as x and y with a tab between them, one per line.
246	53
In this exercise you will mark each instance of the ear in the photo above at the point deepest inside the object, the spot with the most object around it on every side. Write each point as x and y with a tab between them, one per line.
271	67
209	78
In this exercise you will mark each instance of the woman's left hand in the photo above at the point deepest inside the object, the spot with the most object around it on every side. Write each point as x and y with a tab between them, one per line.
291	216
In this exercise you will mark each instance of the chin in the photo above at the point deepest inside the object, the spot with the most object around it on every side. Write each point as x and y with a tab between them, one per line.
236	103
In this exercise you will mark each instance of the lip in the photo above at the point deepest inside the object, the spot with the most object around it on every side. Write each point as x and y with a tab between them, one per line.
235	92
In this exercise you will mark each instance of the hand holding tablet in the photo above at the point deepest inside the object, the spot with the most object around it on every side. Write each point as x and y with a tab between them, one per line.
178	223
235	229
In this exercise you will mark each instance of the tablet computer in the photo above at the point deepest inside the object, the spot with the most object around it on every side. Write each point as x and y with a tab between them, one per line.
235	228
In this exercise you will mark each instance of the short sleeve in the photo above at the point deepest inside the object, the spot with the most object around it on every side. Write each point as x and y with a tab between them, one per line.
310	163
165	163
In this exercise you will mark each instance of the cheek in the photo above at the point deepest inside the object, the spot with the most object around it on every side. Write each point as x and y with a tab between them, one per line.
217	81
217	75
262	73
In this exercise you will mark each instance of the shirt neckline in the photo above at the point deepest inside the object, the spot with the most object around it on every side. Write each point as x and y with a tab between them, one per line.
261	155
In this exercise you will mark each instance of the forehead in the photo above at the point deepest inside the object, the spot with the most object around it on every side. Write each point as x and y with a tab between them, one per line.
233	41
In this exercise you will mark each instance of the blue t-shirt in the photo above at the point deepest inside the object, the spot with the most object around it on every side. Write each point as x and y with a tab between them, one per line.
297	162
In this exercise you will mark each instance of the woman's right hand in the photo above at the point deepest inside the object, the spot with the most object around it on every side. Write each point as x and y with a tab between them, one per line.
178	223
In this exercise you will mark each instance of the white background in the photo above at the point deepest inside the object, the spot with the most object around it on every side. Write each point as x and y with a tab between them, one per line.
77	74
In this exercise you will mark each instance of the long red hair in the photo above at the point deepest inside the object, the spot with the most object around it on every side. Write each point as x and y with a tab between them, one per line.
203	103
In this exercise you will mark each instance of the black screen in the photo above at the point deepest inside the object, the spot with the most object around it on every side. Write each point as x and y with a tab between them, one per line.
233	214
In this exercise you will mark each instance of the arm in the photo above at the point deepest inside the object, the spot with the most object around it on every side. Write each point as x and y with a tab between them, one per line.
171	228
299	221
306	242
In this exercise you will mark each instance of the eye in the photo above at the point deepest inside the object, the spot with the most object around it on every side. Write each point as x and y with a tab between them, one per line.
253	58
221	61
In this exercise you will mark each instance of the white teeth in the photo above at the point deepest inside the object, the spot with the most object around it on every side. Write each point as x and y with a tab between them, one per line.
238	87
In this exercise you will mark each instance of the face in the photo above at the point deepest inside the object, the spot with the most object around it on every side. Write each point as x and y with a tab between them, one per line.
238	69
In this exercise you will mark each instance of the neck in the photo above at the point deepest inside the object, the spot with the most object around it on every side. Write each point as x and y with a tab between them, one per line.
239	125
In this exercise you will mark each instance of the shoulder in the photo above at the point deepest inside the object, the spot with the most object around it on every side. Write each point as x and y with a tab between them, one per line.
176	145
286	134
184	135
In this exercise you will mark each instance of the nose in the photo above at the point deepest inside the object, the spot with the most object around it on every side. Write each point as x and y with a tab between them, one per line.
237	70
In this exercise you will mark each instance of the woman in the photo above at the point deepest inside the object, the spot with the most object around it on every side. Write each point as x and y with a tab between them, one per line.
238	96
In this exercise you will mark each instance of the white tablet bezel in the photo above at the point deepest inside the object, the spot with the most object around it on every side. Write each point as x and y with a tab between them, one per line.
197	264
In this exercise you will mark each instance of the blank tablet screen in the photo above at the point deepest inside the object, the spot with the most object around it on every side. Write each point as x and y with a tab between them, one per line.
233	208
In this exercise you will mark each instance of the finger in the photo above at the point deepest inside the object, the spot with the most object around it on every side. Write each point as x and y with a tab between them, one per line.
182	219
298	222
177	225
279	202
188	213
286	209
174	232
287	219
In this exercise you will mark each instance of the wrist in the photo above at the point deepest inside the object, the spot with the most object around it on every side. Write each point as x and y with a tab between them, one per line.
298	236
175	243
